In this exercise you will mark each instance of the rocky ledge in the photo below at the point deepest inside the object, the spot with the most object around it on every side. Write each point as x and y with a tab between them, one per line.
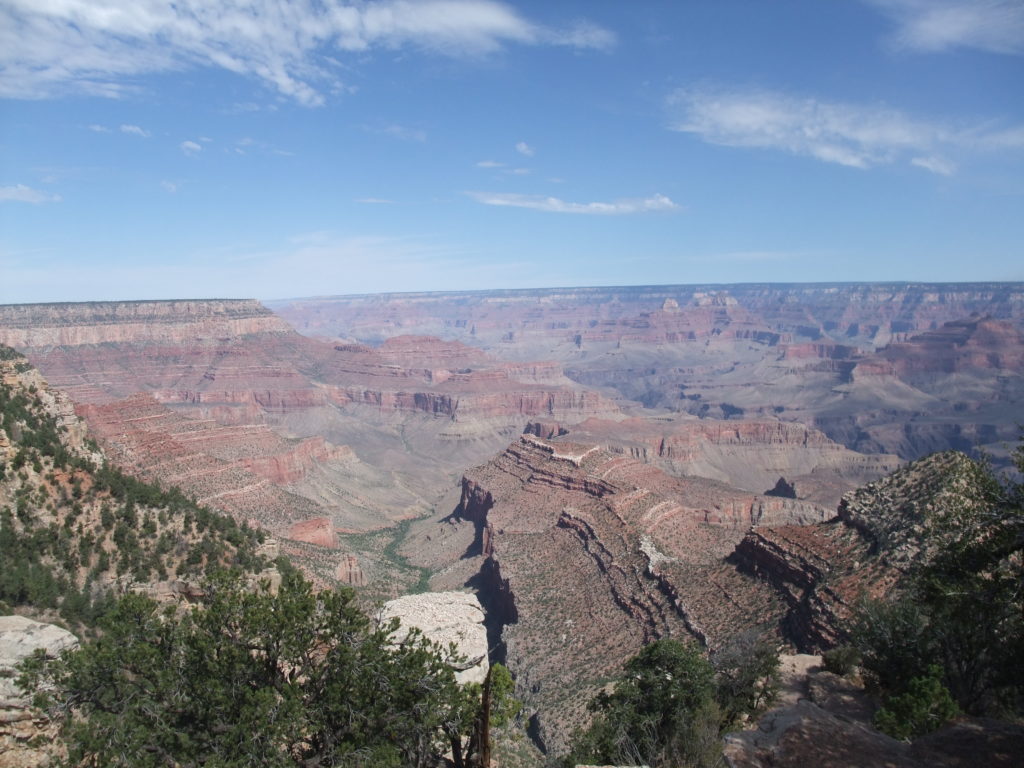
446	618
22	727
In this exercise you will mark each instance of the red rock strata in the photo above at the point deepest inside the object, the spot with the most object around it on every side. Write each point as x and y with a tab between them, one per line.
213	463
319	531
821	571
750	454
812	354
842	312
590	554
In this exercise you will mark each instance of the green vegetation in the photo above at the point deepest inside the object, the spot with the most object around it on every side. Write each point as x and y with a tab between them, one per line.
671	705
925	706
248	677
955	637
842	660
73	528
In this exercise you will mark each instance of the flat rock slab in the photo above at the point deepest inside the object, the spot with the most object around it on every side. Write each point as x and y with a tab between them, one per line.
447	617
20	638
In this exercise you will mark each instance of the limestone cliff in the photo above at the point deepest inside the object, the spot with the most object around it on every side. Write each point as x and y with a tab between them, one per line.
39	325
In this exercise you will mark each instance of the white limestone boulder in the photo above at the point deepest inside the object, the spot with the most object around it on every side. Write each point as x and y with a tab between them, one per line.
446	617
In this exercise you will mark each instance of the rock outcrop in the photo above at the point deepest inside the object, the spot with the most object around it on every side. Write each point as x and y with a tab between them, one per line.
27	736
589	554
824	720
446	618
745	453
821	571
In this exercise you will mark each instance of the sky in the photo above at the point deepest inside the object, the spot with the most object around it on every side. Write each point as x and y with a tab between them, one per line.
276	149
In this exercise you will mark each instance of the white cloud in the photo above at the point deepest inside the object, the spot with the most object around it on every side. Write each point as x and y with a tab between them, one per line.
190	147
489	164
170	186
247	143
935	165
525	149
854	135
374	201
100	47
996	26
134	130
554	205
99	128
518	171
847	134
21	194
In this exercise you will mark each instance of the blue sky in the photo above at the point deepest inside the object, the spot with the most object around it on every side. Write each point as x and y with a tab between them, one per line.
281	149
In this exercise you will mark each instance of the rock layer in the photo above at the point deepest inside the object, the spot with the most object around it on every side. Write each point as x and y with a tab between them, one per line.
590	554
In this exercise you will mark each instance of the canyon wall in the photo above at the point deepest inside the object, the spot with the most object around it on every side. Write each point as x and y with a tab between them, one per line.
589	554
874	366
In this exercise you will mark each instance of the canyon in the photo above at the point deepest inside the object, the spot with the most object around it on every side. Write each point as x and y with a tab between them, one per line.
843	358
601	466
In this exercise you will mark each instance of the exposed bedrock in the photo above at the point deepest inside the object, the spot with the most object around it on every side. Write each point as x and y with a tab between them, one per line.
590	554
446	618
749	454
880	534
224	399
856	361
40	325
28	738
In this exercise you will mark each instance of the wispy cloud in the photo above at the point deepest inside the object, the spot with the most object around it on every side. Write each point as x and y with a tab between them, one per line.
99	128
190	147
100	47
851	135
169	186
935	165
489	164
19	193
996	26
396	131
555	205
374	201
525	149
854	135
248	144
134	130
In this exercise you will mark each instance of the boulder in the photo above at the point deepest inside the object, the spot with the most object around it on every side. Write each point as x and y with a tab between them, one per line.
27	736
446	617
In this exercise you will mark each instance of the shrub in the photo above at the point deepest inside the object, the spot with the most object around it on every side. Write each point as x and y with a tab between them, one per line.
926	706
842	660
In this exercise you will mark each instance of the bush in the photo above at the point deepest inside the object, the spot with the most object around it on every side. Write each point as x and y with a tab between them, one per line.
251	678
661	713
926	706
841	661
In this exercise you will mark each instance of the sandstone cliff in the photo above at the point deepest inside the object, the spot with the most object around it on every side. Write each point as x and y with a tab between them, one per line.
746	453
42	325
